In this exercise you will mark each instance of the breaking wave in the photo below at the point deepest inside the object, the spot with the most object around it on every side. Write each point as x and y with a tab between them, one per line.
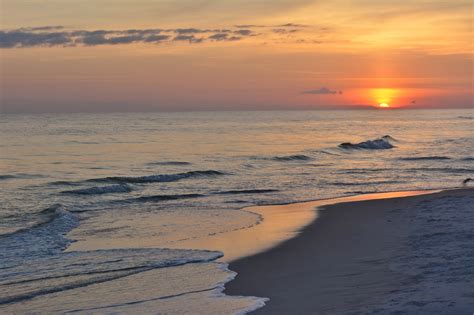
44	238
112	189
377	144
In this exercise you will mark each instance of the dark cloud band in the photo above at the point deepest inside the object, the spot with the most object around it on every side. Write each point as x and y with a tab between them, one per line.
49	36
55	36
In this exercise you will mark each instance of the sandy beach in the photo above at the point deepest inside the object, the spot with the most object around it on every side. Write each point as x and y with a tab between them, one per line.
406	254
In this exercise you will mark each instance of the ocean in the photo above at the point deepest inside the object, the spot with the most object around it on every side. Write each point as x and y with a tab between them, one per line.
162	178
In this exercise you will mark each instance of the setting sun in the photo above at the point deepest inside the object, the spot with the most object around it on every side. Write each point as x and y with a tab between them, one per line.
385	96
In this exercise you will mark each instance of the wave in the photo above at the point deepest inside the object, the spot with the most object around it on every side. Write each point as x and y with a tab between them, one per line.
158	198
44	216
82	142
44	238
425	158
368	183
466	117
20	176
389	138
443	170
247	191
377	144
468	159
164	178
64	183
5	177
175	163
112	189
363	170
72	270
296	157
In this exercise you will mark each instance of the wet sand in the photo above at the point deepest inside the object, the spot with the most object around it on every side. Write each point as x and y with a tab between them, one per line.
339	263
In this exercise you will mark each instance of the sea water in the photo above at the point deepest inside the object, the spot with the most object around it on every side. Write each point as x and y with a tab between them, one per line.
170	177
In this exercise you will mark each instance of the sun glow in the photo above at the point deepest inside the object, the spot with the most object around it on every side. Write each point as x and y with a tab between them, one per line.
384	97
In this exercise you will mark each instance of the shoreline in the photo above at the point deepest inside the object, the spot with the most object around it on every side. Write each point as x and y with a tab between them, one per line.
340	261
278	223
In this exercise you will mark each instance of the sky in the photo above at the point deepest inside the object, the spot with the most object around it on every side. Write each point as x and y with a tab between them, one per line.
177	55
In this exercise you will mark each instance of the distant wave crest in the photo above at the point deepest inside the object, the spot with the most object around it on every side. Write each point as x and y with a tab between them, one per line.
112	189
295	157
5	177
425	158
246	191
19	176
377	144
370	183
162	178
175	163
452	170
158	198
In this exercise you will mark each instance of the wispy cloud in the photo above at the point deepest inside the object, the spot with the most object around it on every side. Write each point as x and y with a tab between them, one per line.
322	91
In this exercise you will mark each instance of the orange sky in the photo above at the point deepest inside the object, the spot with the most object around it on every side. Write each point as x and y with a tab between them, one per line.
101	55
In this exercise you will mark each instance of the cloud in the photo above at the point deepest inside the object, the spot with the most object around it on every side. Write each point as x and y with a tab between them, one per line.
92	40
29	39
284	31
188	31
157	38
322	91
295	25
224	37
48	36
188	38
244	32
292	25
249	26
